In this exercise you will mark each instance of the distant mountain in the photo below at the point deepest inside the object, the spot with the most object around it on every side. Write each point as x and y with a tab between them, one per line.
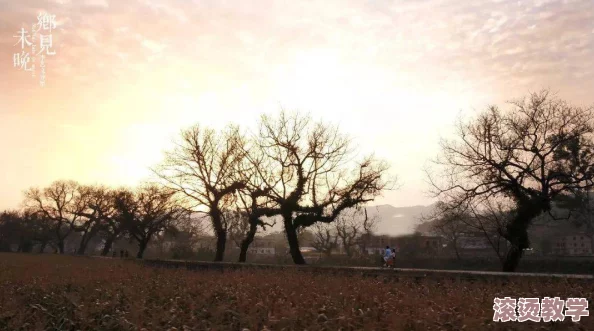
398	220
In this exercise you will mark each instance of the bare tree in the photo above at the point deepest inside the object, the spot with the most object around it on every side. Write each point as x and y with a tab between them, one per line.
314	175
13	230
367	228
97	214
41	229
253	202
186	232
492	219
111	220
352	227
238	225
203	168
59	203
325	238
530	154
245	221
147	212
450	224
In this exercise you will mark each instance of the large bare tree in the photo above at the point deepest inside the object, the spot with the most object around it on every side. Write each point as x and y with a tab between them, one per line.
314	174
532	153
203	168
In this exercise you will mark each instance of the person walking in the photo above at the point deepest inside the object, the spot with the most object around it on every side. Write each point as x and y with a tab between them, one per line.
393	257
387	255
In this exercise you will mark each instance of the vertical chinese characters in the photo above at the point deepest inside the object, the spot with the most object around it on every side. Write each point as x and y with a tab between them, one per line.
47	23
22	59
38	42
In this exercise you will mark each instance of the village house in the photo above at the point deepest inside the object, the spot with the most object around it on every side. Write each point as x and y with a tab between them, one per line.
473	241
262	247
576	244
376	244
477	244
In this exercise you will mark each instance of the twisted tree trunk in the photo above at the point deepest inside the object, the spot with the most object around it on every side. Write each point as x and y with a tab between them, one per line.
292	239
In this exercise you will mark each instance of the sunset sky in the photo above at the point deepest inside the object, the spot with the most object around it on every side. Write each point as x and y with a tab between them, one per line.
128	75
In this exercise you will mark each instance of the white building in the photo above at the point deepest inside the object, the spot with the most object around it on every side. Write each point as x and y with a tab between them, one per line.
262	250
575	245
262	247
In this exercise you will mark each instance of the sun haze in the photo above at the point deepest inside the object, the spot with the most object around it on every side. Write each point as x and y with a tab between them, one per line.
128	75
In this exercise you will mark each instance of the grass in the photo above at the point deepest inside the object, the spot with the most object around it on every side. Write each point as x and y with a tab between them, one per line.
48	292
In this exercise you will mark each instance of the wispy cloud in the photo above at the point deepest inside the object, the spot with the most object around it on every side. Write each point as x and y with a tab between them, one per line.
119	61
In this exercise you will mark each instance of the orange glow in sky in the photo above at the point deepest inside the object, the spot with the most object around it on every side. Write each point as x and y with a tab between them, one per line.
128	75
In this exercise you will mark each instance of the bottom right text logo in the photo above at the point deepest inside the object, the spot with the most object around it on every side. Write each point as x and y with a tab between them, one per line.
536	310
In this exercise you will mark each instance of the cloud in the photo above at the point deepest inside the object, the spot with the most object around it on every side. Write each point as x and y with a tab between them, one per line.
96	3
475	39
120	60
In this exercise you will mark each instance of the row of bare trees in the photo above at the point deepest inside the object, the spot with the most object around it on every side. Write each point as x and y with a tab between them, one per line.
506	166
291	168
51	214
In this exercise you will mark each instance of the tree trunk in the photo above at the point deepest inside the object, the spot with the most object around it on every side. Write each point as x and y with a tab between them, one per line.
61	246
107	246
26	246
42	246
81	249
512	258
517	234
21	244
363	244
455	245
291	233
221	242
349	247
220	233
84	241
141	248
247	241
590	233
